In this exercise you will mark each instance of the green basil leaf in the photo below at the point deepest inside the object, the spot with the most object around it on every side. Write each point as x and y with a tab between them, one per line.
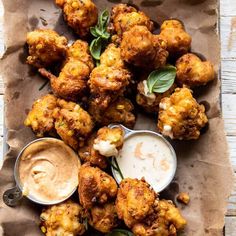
105	35
93	31
159	81
96	48
103	19
120	232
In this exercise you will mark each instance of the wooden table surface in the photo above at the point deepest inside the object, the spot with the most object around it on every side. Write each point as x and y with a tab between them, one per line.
228	75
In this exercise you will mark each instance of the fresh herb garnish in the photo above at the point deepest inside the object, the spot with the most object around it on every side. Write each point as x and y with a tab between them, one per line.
43	85
159	81
85	223
118	168
120	232
101	35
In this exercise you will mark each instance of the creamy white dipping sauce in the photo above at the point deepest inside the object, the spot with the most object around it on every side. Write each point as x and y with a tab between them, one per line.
147	155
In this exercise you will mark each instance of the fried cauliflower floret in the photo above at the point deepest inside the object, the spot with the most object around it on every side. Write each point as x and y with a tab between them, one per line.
45	47
180	116
79	14
112	57
63	219
141	48
72	123
72	80
103	218
135	200
125	17
192	71
40	118
95	186
150	101
109	141
79	50
166	221
178	40
183	197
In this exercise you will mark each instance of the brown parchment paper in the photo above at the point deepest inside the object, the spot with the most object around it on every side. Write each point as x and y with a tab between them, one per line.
204	169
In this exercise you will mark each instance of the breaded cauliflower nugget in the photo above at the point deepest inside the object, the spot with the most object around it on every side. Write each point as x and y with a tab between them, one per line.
166	221
80	15
63	219
135	200
150	101
45	47
95	186
72	80
180	116
178	40
40	118
141	48
124	18
192	71
103	218
105	143
72	123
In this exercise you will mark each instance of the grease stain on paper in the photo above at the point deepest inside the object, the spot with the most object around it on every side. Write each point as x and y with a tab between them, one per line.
232	35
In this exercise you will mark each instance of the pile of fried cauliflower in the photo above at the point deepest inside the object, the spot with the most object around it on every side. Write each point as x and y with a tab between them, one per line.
86	98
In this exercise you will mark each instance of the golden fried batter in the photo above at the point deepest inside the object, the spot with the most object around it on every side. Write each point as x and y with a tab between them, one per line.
103	218
45	47
150	101
178	40
95	186
40	118
180	116
135	200
166	221
183	197
120	111
125	17
79	14
72	123
141	48
192	71
63	219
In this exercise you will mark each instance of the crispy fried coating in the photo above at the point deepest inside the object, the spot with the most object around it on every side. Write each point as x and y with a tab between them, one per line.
150	101
80	15
40	118
183	198
63	219
45	47
95	186
103	218
135	200
180	116
72	80
124	18
120	111
192	71
166	221
141	48
72	123
178	40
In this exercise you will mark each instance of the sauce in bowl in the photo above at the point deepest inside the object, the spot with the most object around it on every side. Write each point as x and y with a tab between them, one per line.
147	154
47	171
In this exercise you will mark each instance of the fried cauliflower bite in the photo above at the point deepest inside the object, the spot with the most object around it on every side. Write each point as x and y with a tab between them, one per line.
40	118
141	48
192	71
80	15
72	123
135	200
45	47
63	219
178	40
166	221
103	218
109	141
150	101
125	17
95	186
180	116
